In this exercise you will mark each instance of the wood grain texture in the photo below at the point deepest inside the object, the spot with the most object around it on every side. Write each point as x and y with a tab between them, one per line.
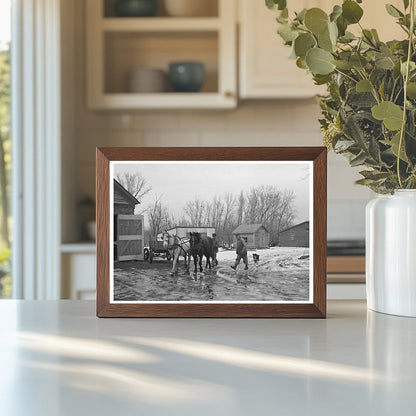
317	309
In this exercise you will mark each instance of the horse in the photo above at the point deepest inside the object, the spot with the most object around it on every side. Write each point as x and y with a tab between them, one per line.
177	247
201	246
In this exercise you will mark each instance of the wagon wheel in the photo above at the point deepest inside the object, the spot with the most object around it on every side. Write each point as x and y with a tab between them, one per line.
168	256
151	254
146	253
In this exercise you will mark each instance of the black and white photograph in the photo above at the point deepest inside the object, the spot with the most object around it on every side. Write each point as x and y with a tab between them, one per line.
199	231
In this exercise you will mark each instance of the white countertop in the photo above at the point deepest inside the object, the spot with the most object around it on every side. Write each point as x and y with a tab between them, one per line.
57	358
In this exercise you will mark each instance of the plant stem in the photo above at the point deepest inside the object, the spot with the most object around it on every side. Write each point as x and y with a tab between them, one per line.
406	80
346	75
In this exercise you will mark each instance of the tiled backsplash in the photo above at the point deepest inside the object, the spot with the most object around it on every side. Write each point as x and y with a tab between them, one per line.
288	123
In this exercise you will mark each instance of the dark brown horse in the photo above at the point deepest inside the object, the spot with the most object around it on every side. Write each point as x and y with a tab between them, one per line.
201	246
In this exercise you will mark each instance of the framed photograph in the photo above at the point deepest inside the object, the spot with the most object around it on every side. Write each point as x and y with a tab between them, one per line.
211	232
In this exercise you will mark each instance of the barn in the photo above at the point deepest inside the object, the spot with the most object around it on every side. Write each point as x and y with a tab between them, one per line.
128	228
256	235
183	232
296	236
124	201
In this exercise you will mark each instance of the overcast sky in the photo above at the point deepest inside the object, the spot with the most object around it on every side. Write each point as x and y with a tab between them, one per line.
180	182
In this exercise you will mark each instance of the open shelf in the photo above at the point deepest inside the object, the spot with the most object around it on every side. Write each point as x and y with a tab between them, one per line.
126	51
160	24
211	10
168	100
119	45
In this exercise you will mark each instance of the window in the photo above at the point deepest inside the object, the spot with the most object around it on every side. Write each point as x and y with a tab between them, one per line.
5	159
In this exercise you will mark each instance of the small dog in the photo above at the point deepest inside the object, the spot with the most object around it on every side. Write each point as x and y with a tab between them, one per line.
256	258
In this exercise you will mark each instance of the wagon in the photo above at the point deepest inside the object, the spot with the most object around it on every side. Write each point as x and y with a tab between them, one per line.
155	248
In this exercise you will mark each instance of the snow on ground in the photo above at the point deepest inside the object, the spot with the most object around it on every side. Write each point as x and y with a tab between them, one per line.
273	259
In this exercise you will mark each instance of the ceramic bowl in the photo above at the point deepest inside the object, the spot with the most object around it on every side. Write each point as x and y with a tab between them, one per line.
186	76
147	80
135	8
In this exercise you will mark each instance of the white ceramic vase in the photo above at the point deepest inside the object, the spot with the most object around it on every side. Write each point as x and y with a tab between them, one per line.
391	253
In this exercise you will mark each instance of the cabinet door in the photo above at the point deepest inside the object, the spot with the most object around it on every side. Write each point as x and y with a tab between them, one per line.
266	71
376	17
265	68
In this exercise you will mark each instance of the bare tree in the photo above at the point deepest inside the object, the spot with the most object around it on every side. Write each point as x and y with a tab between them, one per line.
158	217
286	212
217	213
265	205
195	210
135	183
228	220
240	208
271	207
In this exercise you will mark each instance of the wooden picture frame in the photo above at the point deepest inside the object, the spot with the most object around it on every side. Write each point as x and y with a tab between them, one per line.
235	159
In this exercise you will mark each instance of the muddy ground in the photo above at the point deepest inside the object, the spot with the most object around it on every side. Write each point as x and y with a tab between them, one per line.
286	280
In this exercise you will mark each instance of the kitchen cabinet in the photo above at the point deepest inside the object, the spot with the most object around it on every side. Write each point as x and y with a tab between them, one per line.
118	45
78	262
265	69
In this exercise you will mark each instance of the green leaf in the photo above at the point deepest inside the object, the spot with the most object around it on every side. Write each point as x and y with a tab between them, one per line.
406	4
374	150
347	37
336	12
354	132
344	65
358	160
394	145
301	15
351	11
319	61
368	36
333	32
342	25
316	20
325	42
287	33
412	67
375	35
301	63
411	90
384	62
321	79
374	174
343	145
388	112
393	11
365	182
363	86
276	4
303	43
358	61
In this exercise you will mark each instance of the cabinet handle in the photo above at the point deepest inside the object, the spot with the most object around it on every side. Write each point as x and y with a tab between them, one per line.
229	94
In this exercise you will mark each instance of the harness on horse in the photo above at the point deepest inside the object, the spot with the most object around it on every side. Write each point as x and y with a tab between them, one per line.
178	242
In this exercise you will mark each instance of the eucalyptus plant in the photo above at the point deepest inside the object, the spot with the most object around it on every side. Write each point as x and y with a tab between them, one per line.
369	111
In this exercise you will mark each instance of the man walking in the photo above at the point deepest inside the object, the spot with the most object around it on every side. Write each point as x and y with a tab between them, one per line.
241	253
